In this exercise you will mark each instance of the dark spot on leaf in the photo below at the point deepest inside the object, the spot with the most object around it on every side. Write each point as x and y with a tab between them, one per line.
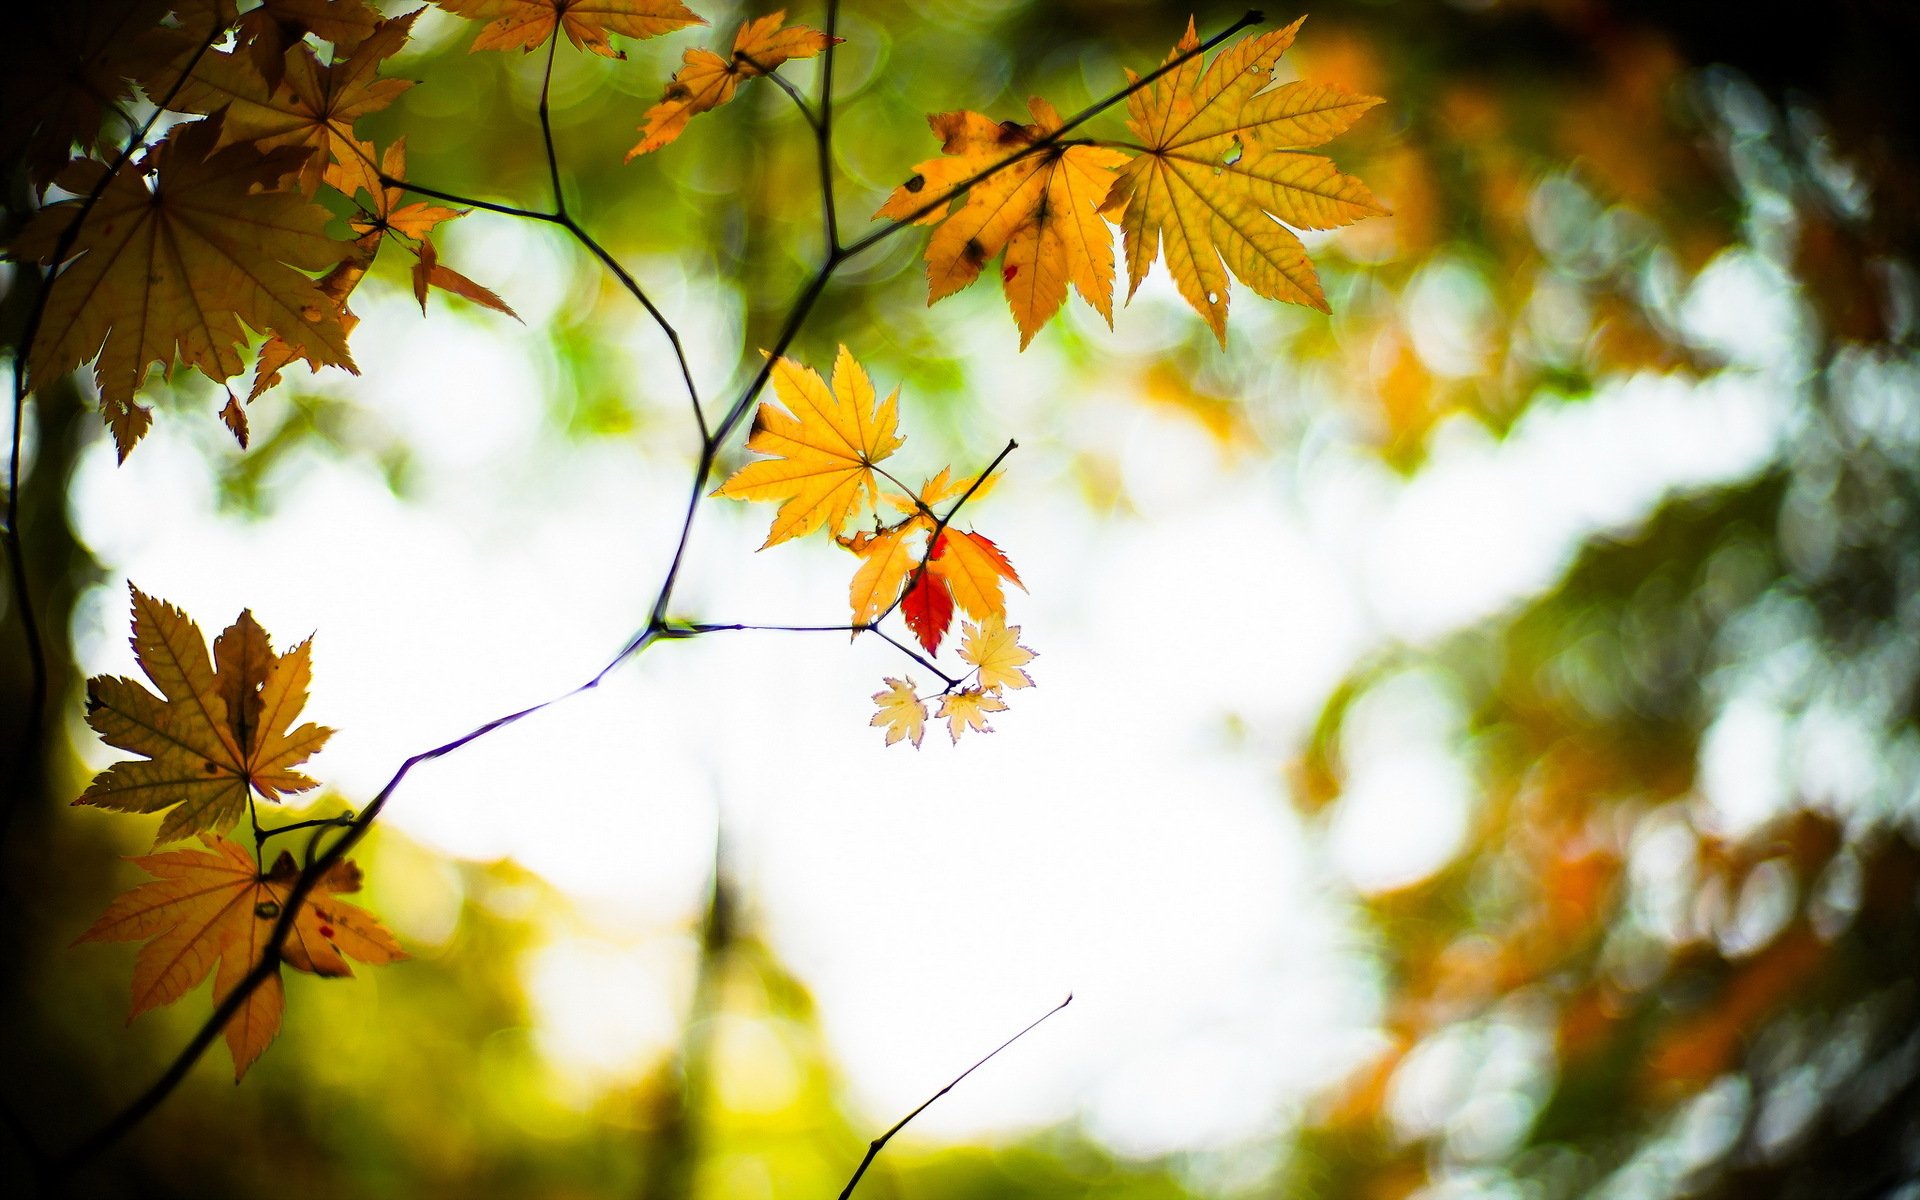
1012	131
266	910
1008	272
974	251
916	183
326	931
210	767
676	91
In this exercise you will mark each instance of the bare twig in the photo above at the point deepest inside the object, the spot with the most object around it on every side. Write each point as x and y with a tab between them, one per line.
880	1143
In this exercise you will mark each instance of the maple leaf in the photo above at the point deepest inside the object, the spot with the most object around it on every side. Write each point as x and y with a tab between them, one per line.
215	906
886	560
705	81
902	712
825	444
993	648
1221	169
177	268
972	567
940	489
967	709
63	67
928	609
428	272
527	24
1043	211
269	31
413	221
218	733
312	106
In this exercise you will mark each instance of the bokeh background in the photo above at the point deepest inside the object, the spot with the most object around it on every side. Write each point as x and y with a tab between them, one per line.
1475	747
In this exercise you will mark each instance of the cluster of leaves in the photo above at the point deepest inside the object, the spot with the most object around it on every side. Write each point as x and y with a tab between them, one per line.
1217	169
824	449
219	737
215	229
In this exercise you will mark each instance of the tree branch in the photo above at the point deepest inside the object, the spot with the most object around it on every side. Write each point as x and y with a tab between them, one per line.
880	1143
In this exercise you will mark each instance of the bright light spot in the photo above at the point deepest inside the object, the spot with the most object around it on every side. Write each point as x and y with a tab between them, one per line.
1403	814
602	1010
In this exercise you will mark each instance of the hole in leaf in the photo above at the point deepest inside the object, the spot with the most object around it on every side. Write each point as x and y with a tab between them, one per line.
266	910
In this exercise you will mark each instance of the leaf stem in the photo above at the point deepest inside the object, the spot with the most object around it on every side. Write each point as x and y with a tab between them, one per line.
880	1143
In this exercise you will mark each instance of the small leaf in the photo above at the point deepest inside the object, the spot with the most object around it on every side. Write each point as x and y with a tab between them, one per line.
218	732
901	712
968	709
705	80
213	905
993	647
928	608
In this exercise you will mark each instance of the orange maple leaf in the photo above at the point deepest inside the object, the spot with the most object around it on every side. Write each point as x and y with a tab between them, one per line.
705	81
527	24
1043	211
215	905
428	272
972	567
312	106
219	733
1221	168
174	270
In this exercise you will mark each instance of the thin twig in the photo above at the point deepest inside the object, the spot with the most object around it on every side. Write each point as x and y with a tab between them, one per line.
773	75
878	1144
823	132
546	131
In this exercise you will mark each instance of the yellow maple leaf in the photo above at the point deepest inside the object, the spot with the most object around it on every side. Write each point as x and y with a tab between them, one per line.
967	709
824	445
705	81
176	268
902	713
994	649
527	24
1042	211
219	732
215	905
1222	168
